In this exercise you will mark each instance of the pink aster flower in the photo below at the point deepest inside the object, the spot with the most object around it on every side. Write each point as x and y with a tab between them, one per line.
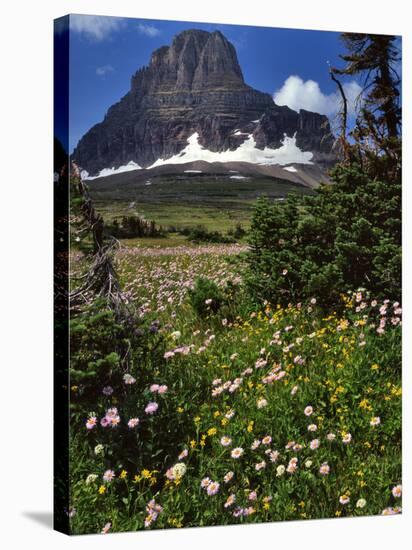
260	363
344	499
154	388
231	499
213	488
347	438
237	452
274	455
206	481
133	422
391	511
292	466
324	469
104	422
225	441
314	444
106	528
183	454
151	408
108	476
228	477
169	474
129	379
267	440
397	491
308	410
375	421
162	389
91	422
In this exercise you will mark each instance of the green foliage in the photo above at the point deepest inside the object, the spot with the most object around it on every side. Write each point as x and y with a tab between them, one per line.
345	237
99	347
342	367
237	382
133	226
200	234
206	297
238	232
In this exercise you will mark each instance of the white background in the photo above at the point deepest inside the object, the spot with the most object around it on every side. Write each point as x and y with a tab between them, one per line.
26	270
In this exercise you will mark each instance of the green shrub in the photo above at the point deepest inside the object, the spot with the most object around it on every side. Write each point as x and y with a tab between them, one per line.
206	298
200	234
346	236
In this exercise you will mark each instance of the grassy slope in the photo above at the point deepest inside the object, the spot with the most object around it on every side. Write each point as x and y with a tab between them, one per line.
217	203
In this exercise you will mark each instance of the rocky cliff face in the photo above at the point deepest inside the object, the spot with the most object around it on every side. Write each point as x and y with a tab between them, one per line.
194	85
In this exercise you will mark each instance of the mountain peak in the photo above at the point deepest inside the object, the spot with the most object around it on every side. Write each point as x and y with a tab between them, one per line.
193	86
196	59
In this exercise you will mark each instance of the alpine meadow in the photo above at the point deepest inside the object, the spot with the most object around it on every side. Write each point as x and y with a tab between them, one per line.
235	290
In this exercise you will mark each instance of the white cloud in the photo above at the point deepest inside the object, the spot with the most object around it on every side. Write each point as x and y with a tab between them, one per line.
148	30
104	70
95	27
297	94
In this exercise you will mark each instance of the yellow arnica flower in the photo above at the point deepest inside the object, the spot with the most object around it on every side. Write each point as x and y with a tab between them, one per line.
102	489
212	431
123	474
146	474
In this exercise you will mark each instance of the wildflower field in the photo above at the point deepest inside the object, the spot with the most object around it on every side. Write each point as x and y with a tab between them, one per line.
218	410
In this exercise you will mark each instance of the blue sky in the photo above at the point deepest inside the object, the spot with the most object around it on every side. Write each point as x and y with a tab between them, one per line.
106	51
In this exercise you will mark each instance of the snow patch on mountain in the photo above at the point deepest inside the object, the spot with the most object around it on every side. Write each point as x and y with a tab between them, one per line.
110	171
246	152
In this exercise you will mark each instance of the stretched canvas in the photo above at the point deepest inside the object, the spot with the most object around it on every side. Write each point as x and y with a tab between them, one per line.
227	274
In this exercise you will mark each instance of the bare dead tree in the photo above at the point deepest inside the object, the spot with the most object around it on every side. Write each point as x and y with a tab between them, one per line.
101	279
343	116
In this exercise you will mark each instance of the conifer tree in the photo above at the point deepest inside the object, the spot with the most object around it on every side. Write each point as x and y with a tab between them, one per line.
348	235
